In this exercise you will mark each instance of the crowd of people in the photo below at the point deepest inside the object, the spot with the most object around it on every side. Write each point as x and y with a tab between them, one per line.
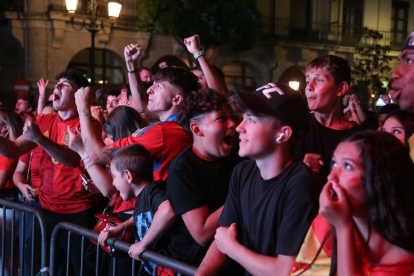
233	182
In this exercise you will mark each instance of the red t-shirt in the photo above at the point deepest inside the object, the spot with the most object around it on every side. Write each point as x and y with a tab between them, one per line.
36	156
61	190
164	141
123	206
9	165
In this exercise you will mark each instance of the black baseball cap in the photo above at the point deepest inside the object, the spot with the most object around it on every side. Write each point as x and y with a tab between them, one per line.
281	101
409	43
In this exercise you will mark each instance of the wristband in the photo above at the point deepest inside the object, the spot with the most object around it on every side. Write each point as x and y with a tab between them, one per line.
133	71
198	54
87	162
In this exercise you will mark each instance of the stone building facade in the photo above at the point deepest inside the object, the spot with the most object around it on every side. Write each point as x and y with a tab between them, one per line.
38	40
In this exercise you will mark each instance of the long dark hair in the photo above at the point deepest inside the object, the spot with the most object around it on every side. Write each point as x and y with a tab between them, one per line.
123	121
388	180
406	120
389	184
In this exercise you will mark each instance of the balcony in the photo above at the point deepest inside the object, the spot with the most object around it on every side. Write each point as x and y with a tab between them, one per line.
334	34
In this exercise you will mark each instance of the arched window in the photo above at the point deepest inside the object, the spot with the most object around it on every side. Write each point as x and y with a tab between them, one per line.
108	67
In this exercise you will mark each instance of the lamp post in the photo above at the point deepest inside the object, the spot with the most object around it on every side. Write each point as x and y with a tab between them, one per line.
93	26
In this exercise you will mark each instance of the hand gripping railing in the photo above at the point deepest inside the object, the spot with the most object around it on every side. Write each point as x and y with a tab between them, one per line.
173	264
43	229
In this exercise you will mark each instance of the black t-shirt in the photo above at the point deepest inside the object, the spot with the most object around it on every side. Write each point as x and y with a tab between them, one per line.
194	182
322	140
274	215
148	201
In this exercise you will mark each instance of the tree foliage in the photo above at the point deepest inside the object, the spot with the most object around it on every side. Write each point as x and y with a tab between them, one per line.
373	65
217	22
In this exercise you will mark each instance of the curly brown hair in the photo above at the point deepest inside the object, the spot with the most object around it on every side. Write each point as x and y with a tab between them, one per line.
199	103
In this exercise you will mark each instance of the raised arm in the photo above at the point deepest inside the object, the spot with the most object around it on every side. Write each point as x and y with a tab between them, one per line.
60	153
214	81
42	95
201	224
162	221
132	52
101	178
91	137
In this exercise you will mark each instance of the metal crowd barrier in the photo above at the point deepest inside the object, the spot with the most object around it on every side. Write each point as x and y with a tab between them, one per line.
14	206
178	266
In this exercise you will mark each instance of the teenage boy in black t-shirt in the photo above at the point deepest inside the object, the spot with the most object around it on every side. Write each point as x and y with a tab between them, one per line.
327	81
199	177
272	199
132	170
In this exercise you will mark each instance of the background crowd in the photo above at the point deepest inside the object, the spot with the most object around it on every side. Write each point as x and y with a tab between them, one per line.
233	182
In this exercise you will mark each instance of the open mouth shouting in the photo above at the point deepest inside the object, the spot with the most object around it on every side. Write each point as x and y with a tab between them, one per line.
56	97
228	139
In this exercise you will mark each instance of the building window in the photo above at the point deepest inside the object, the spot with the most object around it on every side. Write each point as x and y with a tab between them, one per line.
108	66
399	22
352	20
239	76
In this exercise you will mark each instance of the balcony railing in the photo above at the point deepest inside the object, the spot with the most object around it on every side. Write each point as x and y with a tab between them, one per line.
279	28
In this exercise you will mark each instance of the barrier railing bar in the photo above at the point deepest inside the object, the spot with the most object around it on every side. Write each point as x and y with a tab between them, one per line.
113	266
43	228
98	257
21	247
175	265
12	241
82	255
68	254
133	267
3	243
32	253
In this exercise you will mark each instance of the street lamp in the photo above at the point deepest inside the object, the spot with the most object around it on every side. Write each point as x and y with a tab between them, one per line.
114	8
294	84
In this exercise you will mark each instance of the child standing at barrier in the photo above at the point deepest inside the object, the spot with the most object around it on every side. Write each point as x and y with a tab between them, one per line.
131	168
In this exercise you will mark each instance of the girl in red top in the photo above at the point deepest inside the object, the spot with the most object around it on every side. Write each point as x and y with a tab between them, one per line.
370	192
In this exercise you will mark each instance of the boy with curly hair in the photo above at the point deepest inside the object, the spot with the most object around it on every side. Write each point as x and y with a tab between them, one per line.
199	177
